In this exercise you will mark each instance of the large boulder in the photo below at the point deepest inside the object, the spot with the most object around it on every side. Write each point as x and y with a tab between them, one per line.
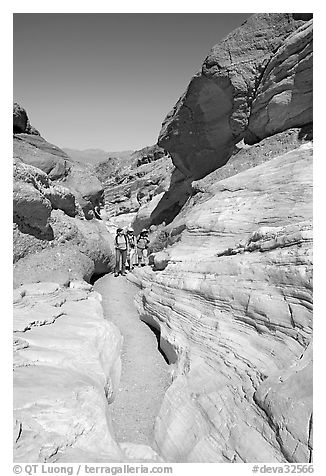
41	155
212	115
86	187
35	197
31	208
284	96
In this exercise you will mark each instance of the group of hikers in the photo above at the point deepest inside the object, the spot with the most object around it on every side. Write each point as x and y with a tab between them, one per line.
130	250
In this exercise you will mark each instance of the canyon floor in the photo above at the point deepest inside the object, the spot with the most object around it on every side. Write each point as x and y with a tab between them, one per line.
145	373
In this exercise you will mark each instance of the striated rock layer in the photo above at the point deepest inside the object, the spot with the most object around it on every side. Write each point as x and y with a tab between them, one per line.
66	373
66	367
234	300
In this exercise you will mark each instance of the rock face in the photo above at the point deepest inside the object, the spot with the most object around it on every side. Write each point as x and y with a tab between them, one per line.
76	249
66	373
57	376
34	150
54	165
213	114
231	285
53	239
134	183
234	300
21	122
284	95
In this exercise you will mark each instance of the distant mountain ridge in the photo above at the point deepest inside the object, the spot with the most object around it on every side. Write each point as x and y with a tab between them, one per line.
95	156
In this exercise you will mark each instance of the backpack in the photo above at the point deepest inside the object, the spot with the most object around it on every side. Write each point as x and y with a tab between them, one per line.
143	242
131	240
116	240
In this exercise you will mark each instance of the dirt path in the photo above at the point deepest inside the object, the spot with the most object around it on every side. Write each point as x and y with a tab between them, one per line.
145	374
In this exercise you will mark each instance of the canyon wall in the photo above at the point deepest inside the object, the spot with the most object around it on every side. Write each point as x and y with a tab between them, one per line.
66	354
231	287
56	237
231	290
66	373
234	300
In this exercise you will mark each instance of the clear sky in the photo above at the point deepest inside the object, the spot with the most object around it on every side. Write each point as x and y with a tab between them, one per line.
107	80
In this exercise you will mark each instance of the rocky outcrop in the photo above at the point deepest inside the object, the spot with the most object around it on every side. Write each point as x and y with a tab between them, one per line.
133	184
213	114
56	376
76	249
162	209
85	186
149	154
21	122
54	237
234	300
54	165
78	178
284	96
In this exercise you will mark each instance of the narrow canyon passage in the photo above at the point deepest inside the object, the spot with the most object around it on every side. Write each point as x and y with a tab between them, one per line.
145	373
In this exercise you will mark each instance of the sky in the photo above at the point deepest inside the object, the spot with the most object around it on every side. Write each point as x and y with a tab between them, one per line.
107	80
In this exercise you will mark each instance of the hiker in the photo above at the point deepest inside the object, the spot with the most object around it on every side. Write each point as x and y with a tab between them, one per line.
132	258
142	245
121	249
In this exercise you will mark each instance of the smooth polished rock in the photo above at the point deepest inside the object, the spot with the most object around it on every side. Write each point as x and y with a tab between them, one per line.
66	371
235	304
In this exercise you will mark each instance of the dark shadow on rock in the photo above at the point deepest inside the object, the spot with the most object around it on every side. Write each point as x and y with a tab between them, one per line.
170	356
95	277
45	234
173	200
306	132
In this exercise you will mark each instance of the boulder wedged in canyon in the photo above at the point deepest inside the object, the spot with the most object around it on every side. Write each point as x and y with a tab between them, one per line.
234	300
213	114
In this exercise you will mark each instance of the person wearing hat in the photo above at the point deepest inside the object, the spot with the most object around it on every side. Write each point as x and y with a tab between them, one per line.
121	250
142	245
132	247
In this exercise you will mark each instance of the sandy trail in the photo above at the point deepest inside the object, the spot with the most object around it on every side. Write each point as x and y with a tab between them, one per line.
145	374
